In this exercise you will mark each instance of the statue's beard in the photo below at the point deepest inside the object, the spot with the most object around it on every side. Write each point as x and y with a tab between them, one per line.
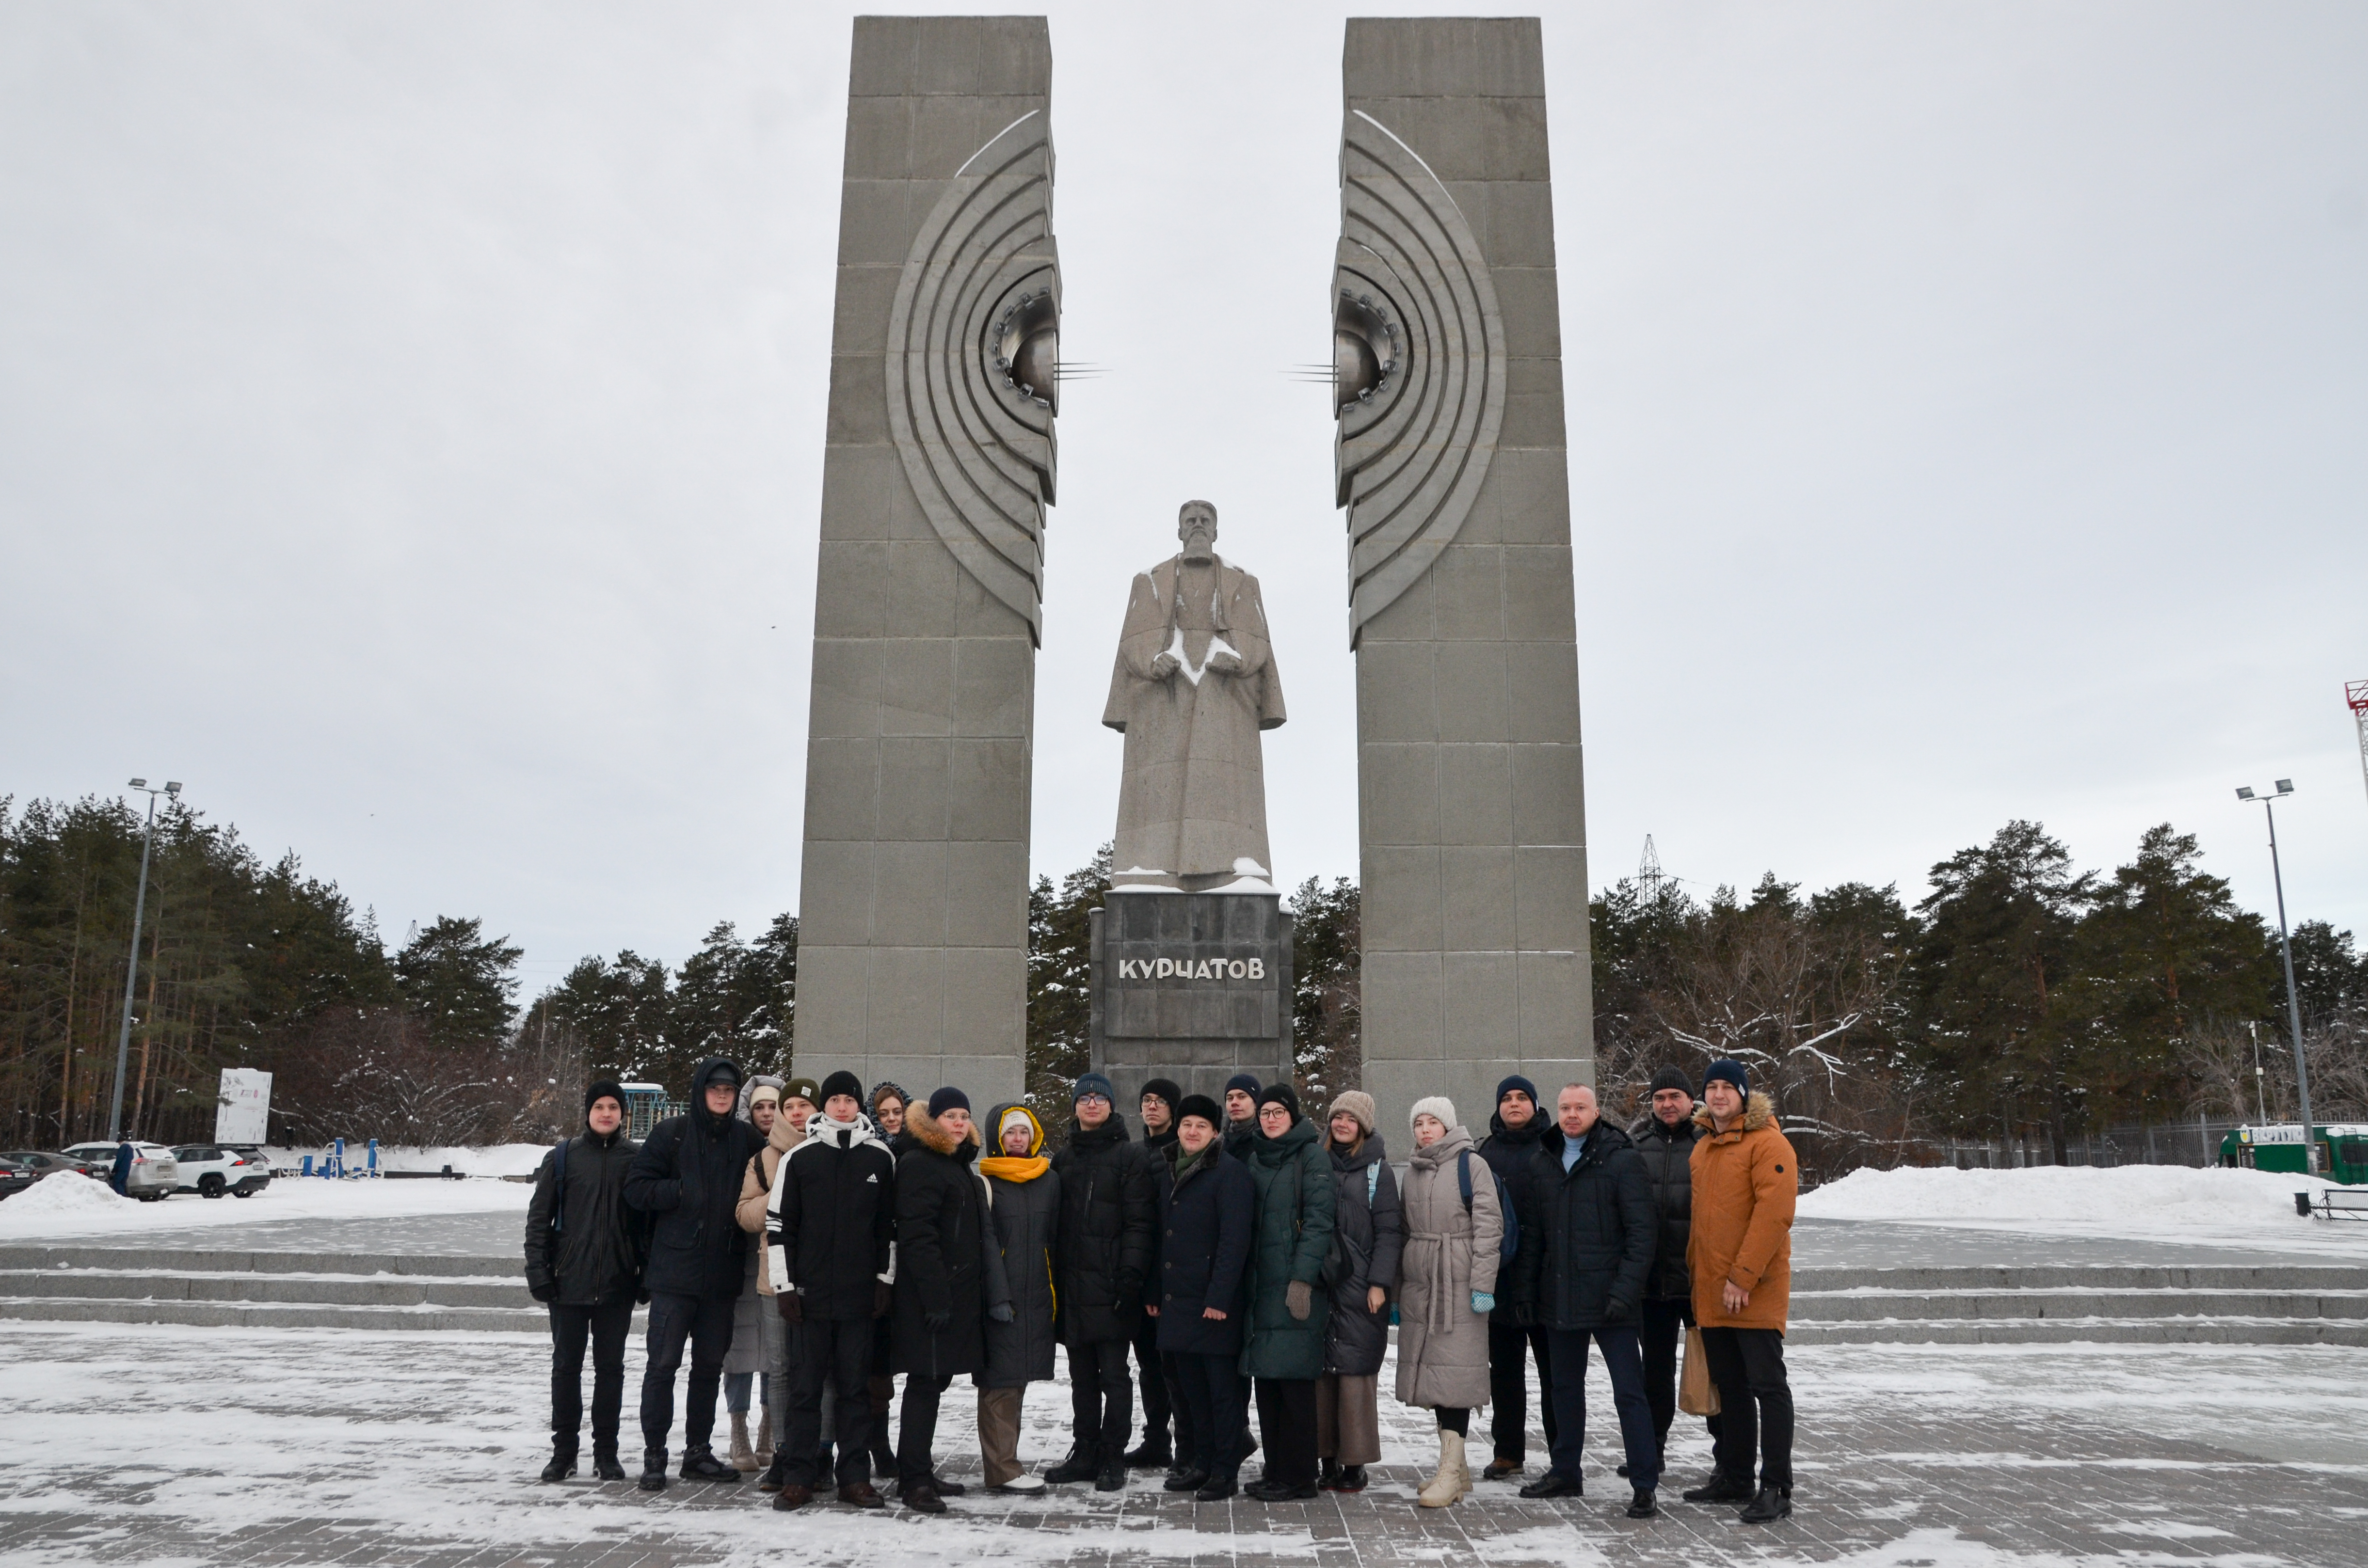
1199	547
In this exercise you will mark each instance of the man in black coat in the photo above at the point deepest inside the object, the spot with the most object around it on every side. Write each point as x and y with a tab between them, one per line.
1587	1249
1665	1142
830	1245
584	1260
1511	1143
1103	1258
1207	1217
1160	1404
688	1178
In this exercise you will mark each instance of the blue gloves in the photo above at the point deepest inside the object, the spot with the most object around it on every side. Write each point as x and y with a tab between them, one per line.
1483	1302
1001	1311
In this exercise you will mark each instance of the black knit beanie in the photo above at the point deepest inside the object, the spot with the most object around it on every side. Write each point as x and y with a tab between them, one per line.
1672	1077
1284	1095
946	1099
603	1088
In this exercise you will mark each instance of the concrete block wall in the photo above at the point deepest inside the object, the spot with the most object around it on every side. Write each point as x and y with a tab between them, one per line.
1470	784
913	907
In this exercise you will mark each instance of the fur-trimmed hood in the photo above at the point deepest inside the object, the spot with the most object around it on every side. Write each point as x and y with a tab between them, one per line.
930	1134
1758	1111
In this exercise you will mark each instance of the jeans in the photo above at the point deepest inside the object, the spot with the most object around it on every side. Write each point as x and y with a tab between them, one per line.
1509	1348
706	1325
1623	1358
917	1427
1101	1404
1210	1391
829	1352
1755	1404
1151	1374
605	1326
1286	1408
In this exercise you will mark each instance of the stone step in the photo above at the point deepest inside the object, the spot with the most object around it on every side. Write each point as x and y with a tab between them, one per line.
1868	1306
235	1261
2084	1330
268	1314
338	1290
2113	1276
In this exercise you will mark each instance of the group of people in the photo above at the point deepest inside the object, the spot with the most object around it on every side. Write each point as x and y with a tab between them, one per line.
807	1243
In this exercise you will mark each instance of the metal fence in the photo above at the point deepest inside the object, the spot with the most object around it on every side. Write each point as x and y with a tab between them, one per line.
2193	1143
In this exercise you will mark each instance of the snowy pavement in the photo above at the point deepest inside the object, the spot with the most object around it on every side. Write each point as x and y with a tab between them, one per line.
153	1445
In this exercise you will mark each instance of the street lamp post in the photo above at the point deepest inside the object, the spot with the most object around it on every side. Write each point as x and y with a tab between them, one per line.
2285	948
132	971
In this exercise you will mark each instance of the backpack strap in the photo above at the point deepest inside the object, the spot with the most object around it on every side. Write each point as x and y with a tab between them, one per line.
1464	1177
1372	1182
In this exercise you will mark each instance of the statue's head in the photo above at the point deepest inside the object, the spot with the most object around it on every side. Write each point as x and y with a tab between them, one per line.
1195	525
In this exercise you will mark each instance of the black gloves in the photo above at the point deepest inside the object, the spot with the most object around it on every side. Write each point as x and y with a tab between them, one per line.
883	1296
546	1291
792	1309
1617	1311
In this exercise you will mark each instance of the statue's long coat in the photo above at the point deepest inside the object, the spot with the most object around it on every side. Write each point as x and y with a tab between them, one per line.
1192	797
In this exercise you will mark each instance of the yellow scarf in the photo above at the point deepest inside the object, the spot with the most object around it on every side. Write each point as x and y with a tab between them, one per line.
1015	1168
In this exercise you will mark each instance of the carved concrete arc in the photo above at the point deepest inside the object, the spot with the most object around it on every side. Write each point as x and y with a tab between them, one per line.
1421	359
972	333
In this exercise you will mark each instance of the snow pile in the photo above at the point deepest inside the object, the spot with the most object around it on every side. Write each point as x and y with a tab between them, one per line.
2141	1200
69	1197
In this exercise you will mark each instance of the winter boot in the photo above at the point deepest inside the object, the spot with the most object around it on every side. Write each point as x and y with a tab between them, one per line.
1152	1453
605	1465
699	1464
765	1434
562	1463
1111	1476
1328	1475
743	1458
775	1473
1641	1506
1217	1489
1720	1488
1352	1479
1773	1503
1083	1464
1449	1482
1502	1469
653	1475
1185	1478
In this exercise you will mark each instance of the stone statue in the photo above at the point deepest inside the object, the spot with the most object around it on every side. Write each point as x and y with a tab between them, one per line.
1195	683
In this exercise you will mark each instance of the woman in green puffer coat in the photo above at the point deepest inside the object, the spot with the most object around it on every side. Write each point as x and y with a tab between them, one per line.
1296	1195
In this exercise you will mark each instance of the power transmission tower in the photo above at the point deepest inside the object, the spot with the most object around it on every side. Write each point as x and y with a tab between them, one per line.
1649	880
2355	693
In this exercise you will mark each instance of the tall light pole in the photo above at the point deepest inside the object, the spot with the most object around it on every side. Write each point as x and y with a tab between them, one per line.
2285	947
132	969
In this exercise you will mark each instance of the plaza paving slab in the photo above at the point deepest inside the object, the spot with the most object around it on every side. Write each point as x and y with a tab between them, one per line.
143	1444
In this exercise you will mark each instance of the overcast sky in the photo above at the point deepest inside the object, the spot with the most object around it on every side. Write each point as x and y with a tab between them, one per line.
411	423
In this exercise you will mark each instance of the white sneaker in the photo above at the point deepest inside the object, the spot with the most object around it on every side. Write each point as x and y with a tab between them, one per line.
1024	1485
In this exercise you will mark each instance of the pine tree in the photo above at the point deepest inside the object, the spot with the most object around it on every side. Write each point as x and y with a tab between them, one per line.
459	981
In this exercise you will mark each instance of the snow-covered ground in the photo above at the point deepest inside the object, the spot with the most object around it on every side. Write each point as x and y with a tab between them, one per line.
2237	1208
490	1159
66	1205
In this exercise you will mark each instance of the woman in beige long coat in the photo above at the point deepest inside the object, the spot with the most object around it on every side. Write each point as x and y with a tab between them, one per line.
770	1332
1447	1282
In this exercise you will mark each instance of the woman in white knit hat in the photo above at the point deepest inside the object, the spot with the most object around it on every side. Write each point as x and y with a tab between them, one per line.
1447	1282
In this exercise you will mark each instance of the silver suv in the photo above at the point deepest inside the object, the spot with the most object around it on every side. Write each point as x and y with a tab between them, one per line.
153	1173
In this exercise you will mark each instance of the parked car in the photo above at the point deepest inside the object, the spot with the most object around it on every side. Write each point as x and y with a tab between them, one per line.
153	1173
209	1171
42	1165
16	1177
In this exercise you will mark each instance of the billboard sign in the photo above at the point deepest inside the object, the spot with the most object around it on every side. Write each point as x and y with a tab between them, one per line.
245	1113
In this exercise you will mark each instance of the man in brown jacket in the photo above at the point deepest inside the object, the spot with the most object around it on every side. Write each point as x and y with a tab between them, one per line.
1746	1180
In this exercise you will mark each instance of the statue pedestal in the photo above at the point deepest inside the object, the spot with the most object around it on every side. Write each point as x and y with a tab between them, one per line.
1192	986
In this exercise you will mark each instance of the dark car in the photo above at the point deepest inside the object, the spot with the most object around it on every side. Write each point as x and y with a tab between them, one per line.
42	1165
15	1178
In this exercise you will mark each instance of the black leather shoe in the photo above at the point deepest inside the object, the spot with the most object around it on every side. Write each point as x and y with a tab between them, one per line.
1280	1490
1112	1477
1773	1503
1082	1464
1150	1455
653	1475
606	1467
1352	1479
1719	1489
945	1488
1641	1506
1554	1483
1185	1478
1217	1489
700	1465
922	1498
560	1467
1623	1471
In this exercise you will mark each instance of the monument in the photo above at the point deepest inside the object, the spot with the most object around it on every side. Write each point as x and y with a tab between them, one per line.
913	954
1452	463
1190	961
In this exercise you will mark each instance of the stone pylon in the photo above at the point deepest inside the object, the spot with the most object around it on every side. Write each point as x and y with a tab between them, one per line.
913	953
1452	467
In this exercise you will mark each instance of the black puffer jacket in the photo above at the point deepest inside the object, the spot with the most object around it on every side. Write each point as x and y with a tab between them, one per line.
596	1255
1669	1152
948	1262
1587	1234
1107	1197
688	1178
830	1222
1508	1150
1371	1236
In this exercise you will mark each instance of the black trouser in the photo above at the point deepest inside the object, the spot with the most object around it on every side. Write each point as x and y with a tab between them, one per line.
829	1351
1663	1328
1101	1407
1153	1376
1455	1418
606	1326
917	1427
1510	1347
1755	1404
1209	1405
706	1324
1286	1408
1625	1361
1179	1412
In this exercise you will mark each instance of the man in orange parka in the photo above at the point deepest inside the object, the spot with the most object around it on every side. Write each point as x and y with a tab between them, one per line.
1746	1181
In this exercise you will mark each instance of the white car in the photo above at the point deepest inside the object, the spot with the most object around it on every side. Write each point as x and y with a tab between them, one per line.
208	1170
154	1175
